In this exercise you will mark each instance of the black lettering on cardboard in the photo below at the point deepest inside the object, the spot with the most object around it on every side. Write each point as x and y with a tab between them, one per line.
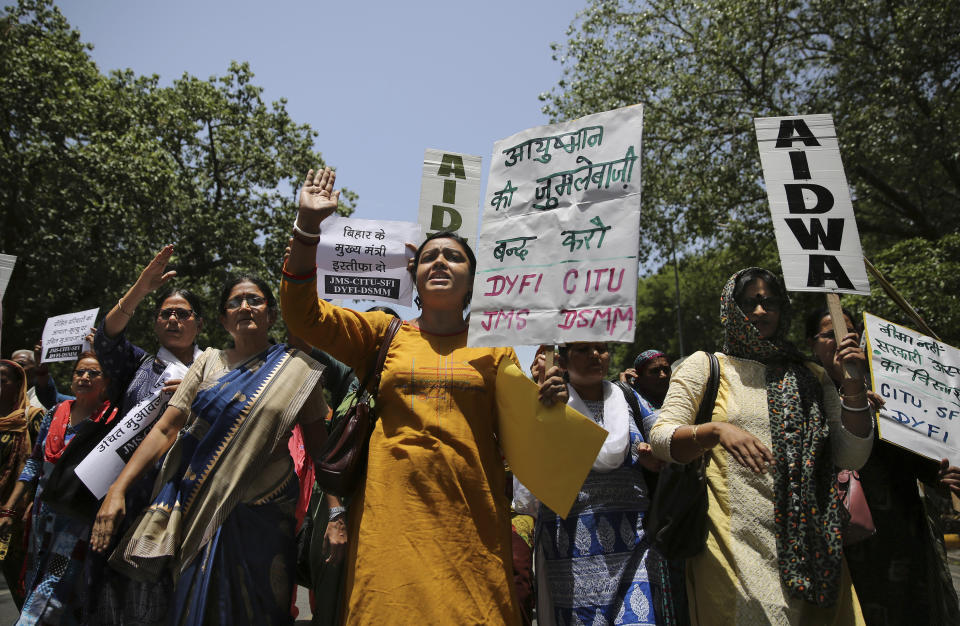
824	267
795	130
796	203
815	237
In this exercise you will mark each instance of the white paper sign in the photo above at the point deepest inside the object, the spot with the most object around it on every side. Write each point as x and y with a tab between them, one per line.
63	335
450	193
557	255
102	466
919	378
810	205
7	261
366	260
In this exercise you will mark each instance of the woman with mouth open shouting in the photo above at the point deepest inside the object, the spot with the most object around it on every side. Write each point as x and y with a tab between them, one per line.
429	527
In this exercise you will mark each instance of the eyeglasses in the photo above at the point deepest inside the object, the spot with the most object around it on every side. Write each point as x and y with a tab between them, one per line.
181	314
769	303
252	300
90	373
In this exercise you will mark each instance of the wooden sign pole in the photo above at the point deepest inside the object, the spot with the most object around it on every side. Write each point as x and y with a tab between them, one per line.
850	370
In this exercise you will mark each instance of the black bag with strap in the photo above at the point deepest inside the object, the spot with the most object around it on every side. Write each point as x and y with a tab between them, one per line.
677	520
341	463
651	478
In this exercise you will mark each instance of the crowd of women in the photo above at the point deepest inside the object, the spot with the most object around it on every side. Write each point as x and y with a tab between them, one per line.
201	524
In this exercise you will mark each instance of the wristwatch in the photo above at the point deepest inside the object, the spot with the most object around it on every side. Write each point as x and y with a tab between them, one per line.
336	512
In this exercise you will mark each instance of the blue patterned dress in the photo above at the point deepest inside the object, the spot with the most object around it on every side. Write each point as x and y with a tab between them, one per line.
57	551
597	559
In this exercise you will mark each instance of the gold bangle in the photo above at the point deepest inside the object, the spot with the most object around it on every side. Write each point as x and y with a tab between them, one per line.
120	307
699	445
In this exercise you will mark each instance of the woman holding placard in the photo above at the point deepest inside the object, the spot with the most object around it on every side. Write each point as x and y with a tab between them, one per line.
56	591
222	521
139	379
430	526
597	563
900	573
773	550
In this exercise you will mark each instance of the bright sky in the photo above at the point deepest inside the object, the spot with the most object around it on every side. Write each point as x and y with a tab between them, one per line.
380	81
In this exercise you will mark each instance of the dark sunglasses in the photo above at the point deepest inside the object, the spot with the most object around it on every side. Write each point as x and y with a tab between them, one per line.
90	373
769	303
253	301
181	314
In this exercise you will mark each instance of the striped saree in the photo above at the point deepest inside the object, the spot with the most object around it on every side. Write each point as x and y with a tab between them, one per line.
222	462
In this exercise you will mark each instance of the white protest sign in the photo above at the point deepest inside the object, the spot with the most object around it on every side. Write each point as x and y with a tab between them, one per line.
810	205
7	262
450	193
102	466
63	335
919	378
557	255
366	260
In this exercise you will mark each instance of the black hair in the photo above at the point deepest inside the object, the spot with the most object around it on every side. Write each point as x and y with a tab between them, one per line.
235	280
15	368
752	274
446	234
86	354
471	258
384	309
811	325
191	298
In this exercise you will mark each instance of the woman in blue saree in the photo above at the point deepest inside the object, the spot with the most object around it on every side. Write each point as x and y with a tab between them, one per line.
222	518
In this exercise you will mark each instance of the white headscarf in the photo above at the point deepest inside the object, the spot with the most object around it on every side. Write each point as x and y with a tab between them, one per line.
616	421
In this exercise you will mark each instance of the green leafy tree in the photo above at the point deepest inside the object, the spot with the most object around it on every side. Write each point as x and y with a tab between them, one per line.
98	171
705	68
927	274
887	72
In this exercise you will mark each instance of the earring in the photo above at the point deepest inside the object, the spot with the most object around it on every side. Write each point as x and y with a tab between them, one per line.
416	300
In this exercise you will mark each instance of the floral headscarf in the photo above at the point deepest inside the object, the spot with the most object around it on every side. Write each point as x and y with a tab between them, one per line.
807	506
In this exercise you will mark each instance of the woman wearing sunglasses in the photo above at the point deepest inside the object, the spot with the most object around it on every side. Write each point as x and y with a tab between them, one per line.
774	552
56	592
139	379
221	524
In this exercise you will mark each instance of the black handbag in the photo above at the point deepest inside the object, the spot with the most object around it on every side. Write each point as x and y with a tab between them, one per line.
677	520
341	463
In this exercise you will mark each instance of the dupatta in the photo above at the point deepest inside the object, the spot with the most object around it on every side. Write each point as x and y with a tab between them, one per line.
240	418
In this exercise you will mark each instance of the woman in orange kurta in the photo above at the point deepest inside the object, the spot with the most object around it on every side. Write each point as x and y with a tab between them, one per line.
430	528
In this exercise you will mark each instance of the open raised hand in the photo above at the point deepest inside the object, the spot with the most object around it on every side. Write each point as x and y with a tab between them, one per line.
154	275
317	199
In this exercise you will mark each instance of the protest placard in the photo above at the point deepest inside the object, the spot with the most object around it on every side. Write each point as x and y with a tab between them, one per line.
450	193
810	205
365	260
7	262
919	379
102	466
557	254
63	335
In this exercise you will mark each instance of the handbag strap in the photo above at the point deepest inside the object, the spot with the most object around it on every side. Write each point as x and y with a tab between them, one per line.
377	370
705	413
634	404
